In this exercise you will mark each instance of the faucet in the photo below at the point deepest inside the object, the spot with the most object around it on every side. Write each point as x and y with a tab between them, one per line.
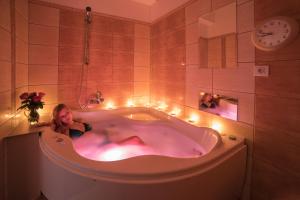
97	98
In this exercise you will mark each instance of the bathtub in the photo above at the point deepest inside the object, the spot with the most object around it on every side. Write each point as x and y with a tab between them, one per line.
215	171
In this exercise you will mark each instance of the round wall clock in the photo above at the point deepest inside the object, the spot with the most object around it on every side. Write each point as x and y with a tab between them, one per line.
274	33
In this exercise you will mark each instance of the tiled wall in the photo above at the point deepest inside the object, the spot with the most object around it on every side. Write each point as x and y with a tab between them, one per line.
13	68
43	52
168	60
13	61
118	56
20	69
6	89
5	81
277	117
177	75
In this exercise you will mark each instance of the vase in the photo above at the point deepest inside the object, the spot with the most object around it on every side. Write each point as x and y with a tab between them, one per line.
33	116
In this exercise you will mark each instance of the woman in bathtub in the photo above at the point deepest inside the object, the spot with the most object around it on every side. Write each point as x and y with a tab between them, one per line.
63	122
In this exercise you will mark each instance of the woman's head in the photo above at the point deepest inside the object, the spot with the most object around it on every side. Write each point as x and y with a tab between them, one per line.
62	118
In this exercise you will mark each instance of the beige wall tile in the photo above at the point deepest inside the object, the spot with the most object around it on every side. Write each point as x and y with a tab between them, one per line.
142	45
141	74
101	41
141	59
21	75
105	58
122	74
175	20
220	3
43	74
21	27
72	56
141	89
5	47
72	37
74	78
242	1
5	76
6	128
21	51
230	51
245	17
71	18
43	35
123	59
196	9
245	104
284	79
99	74
215	52
246	51
175	39
5	106
239	79
192	54
287	155
286	118
43	15
43	55
5	14
203	52
192	96
142	31
200	77
122	27
271	181
123	43
267	8
49	90
192	33
102	24
22	7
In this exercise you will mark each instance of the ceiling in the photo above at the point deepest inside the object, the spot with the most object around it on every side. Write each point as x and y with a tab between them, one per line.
146	2
142	10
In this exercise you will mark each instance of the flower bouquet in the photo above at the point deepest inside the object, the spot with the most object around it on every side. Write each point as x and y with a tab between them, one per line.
31	102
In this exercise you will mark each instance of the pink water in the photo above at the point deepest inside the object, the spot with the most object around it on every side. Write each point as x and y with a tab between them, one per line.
159	139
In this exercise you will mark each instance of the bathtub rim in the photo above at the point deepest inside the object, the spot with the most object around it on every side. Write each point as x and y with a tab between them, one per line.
69	159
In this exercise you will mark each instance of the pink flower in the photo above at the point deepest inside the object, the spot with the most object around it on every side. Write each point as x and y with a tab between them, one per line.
32	94
24	95
41	94
36	99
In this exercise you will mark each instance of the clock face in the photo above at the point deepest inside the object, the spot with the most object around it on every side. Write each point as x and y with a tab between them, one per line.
274	33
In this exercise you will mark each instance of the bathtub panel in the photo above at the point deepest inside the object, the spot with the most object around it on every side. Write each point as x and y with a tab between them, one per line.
226	178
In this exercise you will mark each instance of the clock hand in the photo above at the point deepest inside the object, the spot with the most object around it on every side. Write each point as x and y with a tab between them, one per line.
262	34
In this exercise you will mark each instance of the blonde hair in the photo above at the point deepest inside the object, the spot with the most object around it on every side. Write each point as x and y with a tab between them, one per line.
57	124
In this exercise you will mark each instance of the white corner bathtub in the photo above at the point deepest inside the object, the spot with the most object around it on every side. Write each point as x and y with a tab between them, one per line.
178	161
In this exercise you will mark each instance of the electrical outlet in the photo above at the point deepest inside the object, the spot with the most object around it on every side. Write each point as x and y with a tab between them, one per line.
261	70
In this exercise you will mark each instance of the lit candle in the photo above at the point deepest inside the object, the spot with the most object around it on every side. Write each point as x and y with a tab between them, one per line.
175	112
110	105
216	126
130	103
148	105
193	118
162	106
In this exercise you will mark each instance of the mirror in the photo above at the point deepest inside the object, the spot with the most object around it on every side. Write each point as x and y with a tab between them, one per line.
220	105
218	38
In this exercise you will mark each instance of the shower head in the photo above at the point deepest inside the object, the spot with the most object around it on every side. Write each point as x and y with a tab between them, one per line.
88	14
88	9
